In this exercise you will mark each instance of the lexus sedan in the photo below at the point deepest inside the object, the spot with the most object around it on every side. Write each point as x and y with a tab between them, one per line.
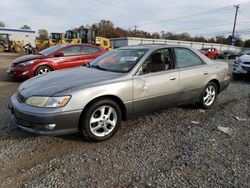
120	84
54	58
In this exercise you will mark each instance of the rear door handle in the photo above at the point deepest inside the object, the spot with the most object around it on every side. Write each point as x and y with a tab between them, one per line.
205	73
172	78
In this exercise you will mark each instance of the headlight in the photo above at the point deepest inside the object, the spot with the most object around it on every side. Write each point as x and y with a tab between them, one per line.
49	102
26	63
237	61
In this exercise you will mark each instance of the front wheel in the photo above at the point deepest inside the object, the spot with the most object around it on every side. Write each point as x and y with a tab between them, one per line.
101	120
209	95
42	70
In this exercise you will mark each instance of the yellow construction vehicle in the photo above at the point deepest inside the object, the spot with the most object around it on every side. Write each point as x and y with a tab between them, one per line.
89	36
10	45
71	37
54	39
81	35
103	42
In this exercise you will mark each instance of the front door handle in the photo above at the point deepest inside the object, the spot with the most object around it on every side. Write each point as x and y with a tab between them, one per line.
172	78
205	73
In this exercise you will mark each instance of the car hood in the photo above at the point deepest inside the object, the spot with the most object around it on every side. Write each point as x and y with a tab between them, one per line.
245	58
58	81
27	58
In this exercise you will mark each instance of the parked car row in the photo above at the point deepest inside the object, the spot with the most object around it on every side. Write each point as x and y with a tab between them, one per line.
117	85
213	53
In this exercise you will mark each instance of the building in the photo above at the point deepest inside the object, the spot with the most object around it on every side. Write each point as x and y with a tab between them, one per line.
26	35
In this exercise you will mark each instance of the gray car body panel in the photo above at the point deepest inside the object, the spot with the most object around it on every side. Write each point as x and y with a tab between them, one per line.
139	93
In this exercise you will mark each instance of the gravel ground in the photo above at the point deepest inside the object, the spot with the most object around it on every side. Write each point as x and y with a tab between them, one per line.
163	149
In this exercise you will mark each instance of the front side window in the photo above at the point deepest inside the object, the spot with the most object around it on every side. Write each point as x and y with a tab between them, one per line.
120	60
74	50
186	58
160	60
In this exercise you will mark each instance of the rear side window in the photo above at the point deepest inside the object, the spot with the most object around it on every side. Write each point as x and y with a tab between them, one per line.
186	58
74	50
89	50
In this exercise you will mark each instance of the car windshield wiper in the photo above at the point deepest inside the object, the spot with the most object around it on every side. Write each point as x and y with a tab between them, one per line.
95	66
98	67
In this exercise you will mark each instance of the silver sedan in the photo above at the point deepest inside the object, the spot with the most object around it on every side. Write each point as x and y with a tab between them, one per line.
119	85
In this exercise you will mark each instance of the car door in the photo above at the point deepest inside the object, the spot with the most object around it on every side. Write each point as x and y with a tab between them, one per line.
157	83
71	57
89	53
194	73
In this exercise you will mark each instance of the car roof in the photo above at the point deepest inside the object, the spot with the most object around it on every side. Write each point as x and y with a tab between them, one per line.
77	44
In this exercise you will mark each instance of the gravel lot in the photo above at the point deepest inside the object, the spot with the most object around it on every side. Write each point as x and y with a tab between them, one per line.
163	149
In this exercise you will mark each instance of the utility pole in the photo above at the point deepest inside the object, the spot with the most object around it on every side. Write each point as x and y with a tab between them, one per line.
135	29
235	19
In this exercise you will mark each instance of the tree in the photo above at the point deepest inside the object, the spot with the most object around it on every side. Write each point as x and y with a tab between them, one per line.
2	24
25	27
42	34
119	32
106	28
156	35
247	43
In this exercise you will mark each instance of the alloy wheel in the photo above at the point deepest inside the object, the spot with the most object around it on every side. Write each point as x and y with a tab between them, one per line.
209	95
103	121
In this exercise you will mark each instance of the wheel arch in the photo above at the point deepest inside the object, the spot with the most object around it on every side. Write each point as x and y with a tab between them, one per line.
110	97
217	84
40	65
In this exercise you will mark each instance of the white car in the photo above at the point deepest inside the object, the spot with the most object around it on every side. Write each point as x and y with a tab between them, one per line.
241	65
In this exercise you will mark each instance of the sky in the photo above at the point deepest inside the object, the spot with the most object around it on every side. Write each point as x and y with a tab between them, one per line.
197	17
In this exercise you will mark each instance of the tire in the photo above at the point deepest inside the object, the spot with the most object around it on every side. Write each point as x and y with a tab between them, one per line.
43	70
18	49
1	48
209	95
96	122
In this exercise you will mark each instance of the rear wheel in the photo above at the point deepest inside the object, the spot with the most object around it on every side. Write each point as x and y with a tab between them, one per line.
42	70
101	120
209	95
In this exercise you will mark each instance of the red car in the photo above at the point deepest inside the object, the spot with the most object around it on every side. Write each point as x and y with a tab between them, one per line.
212	53
54	58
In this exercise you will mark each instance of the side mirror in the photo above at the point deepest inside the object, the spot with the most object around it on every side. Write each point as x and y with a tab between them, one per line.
140	72
59	54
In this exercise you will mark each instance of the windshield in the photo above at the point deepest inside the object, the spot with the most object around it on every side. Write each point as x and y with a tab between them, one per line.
120	60
51	49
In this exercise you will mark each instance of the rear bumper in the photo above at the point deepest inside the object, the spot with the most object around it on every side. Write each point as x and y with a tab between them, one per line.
26	119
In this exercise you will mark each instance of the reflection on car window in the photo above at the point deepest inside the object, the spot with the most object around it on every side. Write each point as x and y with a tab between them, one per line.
186	58
159	60
89	50
73	50
51	49
120	60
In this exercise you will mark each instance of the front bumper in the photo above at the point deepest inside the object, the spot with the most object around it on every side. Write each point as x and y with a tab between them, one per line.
19	72
241	69
36	120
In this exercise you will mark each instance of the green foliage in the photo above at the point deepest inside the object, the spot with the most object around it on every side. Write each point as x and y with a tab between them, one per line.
42	34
